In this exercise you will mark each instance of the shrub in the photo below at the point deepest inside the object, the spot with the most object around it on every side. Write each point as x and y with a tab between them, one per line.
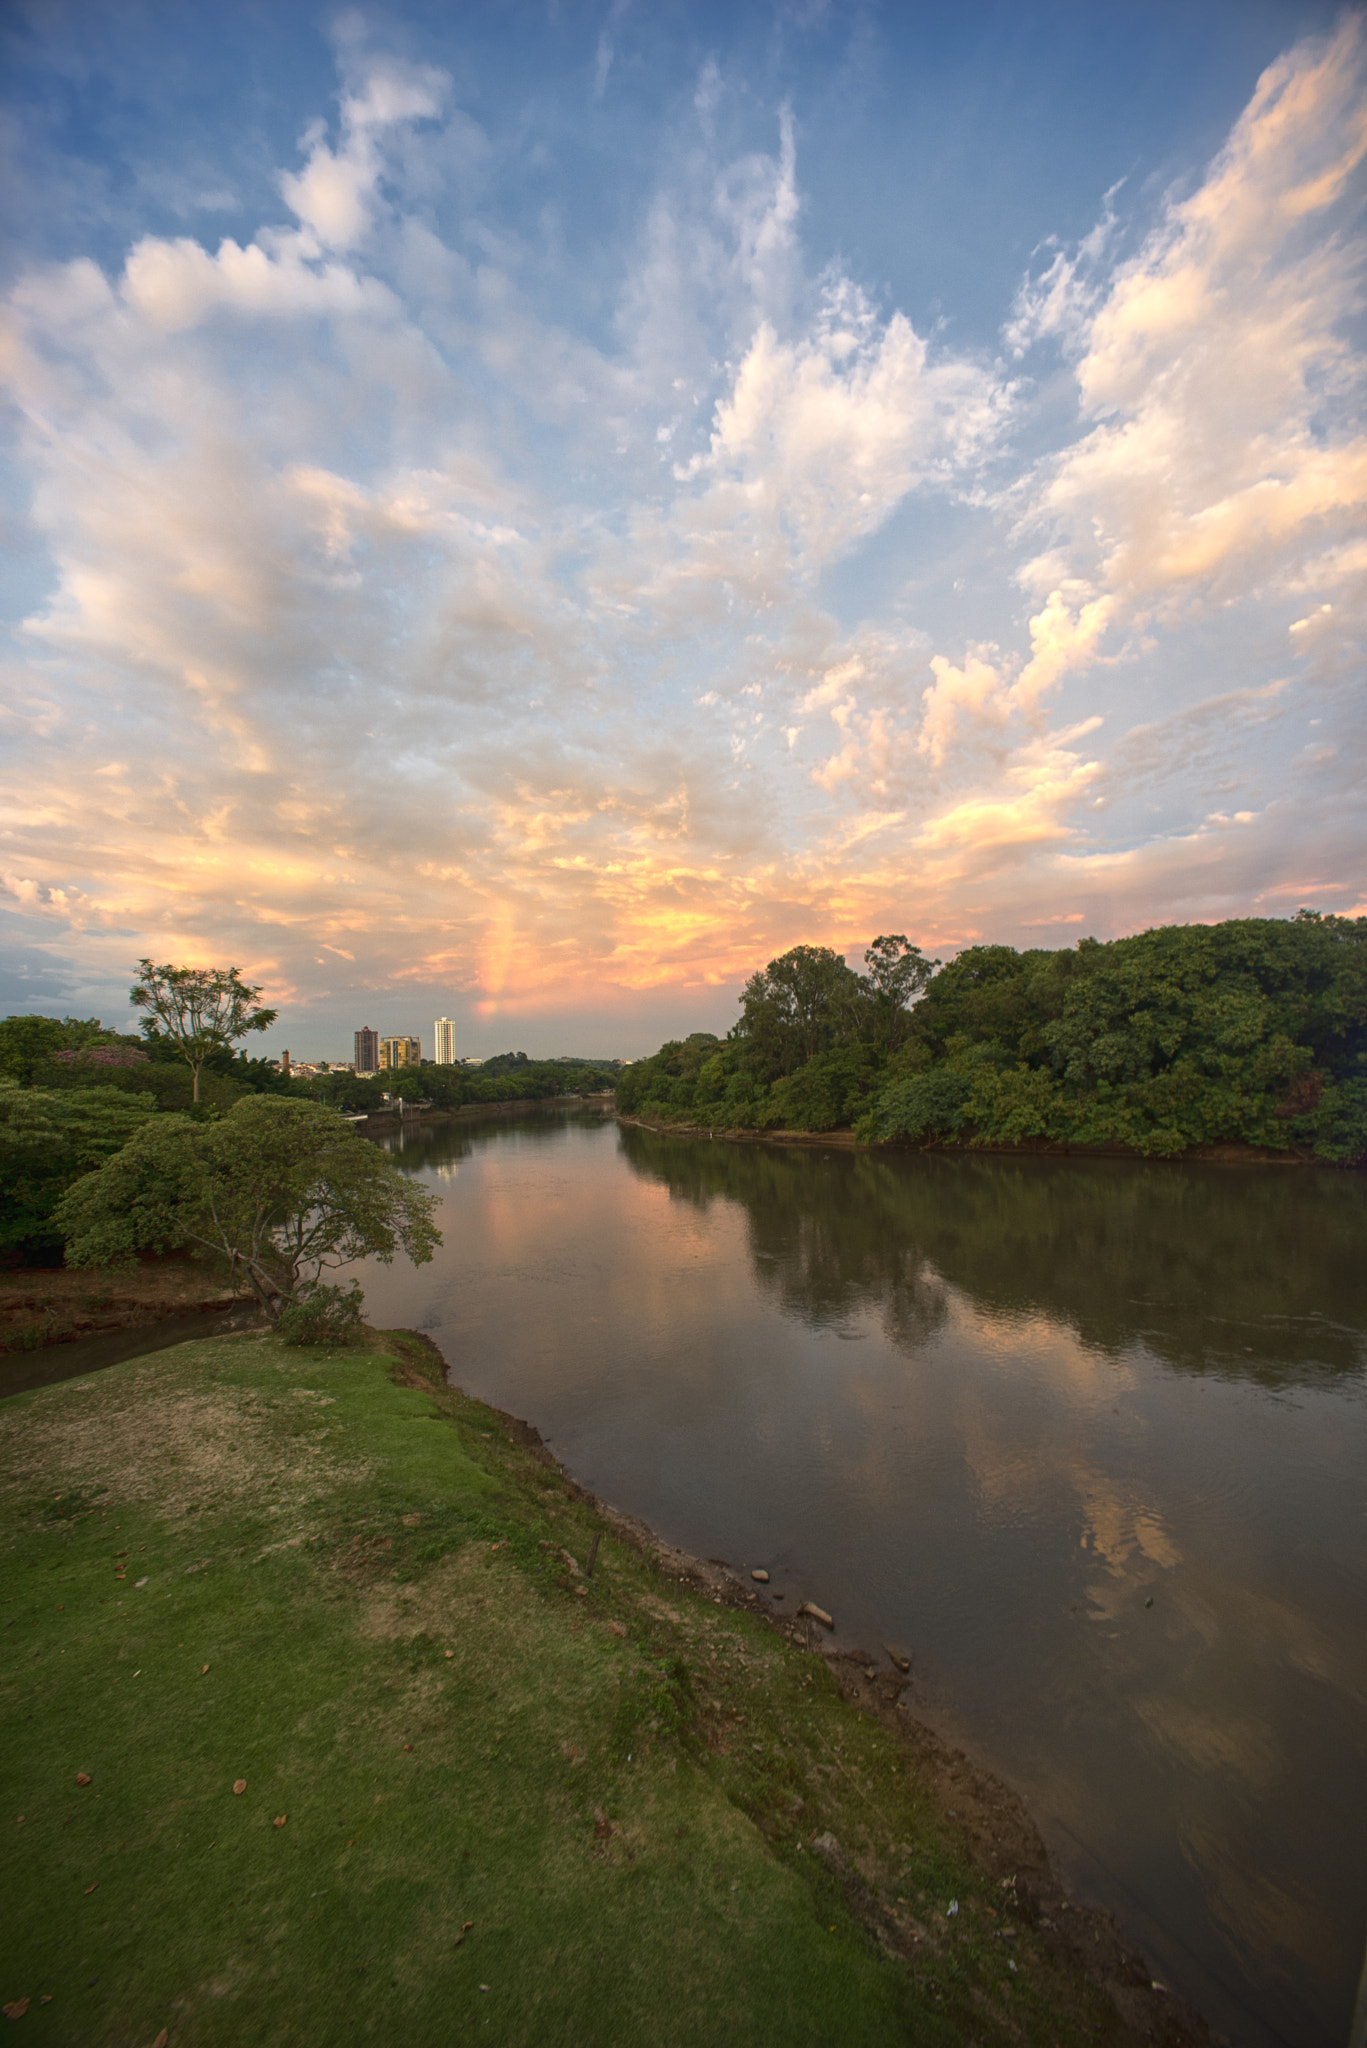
325	1315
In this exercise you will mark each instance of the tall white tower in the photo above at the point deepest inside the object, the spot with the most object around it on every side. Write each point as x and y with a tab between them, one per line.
445	1051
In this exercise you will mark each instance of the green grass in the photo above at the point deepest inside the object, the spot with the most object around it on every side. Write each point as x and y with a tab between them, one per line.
618	1790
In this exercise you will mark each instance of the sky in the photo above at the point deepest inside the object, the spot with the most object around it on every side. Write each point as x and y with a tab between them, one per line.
525	512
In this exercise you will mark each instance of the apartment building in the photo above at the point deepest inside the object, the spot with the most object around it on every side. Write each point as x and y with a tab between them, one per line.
367	1051
444	1049
399	1052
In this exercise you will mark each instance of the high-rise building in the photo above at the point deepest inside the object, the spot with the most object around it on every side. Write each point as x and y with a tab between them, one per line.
444	1051
367	1051
399	1052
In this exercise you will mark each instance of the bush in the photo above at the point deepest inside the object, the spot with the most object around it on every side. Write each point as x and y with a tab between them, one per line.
325	1315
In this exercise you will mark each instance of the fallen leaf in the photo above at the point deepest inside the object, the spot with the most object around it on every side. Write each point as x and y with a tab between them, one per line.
16	2009
82	1777
205	1672
92	1888
280	1819
615	1629
240	1785
450	1653
46	1998
602	1826
162	2038
408	1745
466	1925
411	1521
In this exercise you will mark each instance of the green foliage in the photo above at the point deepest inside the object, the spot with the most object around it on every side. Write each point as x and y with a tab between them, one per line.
323	1315
801	1004
29	1044
896	973
203	1010
276	1191
47	1141
1249	1032
929	1105
515	1078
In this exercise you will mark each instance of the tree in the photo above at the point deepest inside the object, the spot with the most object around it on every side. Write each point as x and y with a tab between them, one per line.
897	973
802	1003
276	1191
28	1043
202	1009
48	1139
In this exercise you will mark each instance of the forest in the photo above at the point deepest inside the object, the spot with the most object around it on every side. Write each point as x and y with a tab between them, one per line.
1252	1032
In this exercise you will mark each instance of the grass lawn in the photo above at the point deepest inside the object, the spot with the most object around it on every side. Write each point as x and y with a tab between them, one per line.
485	1798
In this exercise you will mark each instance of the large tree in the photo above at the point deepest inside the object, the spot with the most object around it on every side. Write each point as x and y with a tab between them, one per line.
276	1191
48	1139
896	974
802	1003
203	1010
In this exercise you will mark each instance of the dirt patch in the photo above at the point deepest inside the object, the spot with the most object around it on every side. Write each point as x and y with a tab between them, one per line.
207	1445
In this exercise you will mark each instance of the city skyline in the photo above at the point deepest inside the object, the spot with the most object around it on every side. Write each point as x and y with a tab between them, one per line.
530	513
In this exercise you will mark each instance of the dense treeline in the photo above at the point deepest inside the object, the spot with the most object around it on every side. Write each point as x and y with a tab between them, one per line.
1252	1032
72	1094
507	1077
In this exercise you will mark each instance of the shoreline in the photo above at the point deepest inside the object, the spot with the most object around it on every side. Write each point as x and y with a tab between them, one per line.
624	1762
1227	1153
987	1815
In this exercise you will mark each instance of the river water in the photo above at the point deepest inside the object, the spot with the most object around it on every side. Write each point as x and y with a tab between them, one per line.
1086	1440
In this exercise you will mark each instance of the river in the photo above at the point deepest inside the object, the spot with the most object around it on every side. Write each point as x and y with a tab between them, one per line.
1087	1440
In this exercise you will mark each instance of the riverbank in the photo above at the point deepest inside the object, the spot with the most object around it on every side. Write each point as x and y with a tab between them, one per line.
486	1792
1028	1148
45	1305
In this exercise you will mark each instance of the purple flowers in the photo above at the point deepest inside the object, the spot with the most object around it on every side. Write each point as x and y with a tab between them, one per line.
103	1056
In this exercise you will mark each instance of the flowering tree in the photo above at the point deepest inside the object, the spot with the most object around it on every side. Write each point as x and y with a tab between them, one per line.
202	1009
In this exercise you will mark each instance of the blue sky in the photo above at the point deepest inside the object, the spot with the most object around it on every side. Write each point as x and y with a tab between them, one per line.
523	513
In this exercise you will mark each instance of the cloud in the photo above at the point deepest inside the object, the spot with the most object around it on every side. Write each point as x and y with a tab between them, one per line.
405	619
823	435
1217	364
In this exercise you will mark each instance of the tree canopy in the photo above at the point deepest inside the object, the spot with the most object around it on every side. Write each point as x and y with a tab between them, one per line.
48	1139
1251	1032
203	1010
276	1191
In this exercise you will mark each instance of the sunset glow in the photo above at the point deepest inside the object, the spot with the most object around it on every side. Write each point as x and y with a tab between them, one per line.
527	513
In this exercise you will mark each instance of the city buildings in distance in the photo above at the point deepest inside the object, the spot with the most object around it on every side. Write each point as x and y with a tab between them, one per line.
399	1052
381	1052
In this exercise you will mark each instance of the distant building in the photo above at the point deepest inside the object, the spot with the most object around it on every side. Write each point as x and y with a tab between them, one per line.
444	1049
367	1051
399	1052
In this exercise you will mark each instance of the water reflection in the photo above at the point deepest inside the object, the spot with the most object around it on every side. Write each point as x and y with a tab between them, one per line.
1086	1438
1211	1268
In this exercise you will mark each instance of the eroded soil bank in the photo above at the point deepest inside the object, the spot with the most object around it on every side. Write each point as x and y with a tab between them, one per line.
45	1305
